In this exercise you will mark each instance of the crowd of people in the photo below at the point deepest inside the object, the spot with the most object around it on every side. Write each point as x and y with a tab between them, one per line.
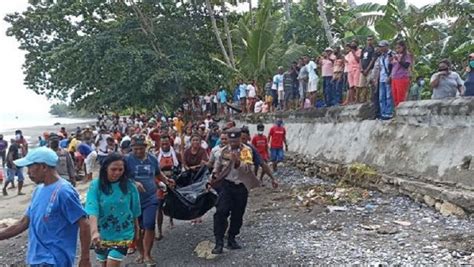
356	74
138	159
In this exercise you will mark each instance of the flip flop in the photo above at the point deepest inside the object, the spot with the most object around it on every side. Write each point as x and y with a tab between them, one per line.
139	260
131	251
149	263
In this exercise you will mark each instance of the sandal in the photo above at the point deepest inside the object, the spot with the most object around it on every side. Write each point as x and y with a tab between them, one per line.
139	260
131	251
149	262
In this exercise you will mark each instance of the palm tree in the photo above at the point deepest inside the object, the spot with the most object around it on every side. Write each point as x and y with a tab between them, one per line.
324	20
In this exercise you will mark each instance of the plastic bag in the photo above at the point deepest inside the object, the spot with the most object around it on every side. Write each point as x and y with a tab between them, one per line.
191	201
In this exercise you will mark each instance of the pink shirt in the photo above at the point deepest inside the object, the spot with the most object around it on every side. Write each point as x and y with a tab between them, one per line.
352	63
327	66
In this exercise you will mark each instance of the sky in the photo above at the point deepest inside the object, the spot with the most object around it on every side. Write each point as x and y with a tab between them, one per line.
25	101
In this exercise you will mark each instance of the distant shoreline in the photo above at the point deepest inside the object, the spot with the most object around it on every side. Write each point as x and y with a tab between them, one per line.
32	132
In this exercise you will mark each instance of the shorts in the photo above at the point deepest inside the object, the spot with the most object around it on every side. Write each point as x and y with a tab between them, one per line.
116	254
313	86
302	90
288	95
353	78
277	154
147	219
11	173
268	99
363	81
281	95
90	162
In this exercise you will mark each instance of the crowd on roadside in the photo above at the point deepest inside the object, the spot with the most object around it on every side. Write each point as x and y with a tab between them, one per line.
371	73
138	159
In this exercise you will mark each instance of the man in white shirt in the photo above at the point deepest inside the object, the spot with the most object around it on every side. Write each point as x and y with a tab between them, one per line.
312	79
277	87
251	94
101	144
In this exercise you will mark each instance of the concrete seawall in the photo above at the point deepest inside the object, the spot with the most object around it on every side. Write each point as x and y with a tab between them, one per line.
425	151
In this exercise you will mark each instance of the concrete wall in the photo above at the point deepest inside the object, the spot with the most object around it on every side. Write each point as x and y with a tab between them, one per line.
431	141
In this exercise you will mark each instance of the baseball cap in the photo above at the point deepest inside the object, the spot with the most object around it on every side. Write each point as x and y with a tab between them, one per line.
384	43
328	49
38	155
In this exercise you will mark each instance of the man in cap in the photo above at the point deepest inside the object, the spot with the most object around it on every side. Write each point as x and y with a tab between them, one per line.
385	90
327	72
143	169
54	217
234	177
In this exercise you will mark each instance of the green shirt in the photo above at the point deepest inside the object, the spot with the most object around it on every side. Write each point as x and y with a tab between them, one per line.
116	212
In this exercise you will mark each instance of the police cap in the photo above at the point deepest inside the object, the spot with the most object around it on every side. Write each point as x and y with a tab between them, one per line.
234	133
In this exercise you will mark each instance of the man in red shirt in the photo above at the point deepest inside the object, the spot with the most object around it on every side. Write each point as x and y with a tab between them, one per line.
276	138
260	142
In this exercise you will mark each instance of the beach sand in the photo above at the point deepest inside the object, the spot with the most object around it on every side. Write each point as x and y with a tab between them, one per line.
12	207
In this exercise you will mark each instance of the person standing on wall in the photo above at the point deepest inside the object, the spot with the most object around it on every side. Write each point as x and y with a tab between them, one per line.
278	89
385	89
366	64
312	87
400	75
327	71
277	138
353	66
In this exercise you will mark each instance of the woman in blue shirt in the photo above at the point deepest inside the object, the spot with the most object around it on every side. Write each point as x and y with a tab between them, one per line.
113	205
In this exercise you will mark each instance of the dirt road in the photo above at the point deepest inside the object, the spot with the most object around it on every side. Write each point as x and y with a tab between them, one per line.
308	221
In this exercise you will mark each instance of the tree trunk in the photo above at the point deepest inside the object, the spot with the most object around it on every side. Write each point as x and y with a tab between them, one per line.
250	11
227	33
217	33
287	10
324	20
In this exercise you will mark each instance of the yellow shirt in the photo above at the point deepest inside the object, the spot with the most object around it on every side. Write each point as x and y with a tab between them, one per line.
73	145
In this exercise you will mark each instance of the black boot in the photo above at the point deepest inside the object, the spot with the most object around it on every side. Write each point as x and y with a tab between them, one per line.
232	243
218	249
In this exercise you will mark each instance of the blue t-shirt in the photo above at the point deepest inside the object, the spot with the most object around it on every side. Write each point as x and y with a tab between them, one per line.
54	213
223	96
116	212
144	171
243	90
84	149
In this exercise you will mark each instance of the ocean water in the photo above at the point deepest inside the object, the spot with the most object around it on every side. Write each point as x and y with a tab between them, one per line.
12	121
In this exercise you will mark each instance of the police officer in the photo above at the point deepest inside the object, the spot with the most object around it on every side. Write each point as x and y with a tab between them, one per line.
234	177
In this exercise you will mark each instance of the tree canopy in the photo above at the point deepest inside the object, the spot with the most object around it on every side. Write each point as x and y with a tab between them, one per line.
143	54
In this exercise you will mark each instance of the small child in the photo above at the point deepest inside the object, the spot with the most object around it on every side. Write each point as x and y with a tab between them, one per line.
268	94
260	142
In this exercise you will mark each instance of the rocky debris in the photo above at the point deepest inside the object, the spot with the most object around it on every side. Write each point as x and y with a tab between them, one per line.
204	250
448	208
375	229
448	201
